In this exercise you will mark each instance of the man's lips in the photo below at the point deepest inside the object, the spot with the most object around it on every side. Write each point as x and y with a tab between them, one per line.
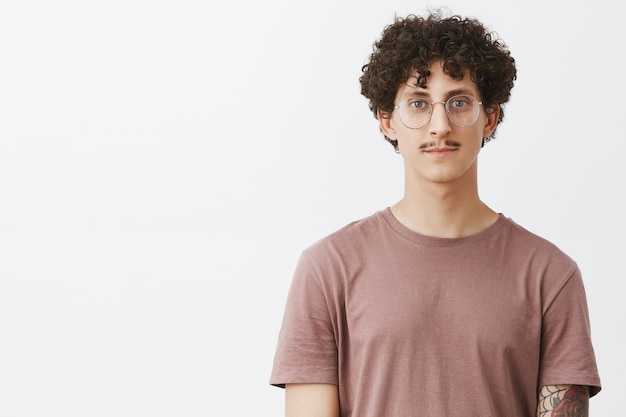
440	150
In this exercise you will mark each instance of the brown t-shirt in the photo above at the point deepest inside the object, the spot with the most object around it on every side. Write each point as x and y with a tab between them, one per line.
412	325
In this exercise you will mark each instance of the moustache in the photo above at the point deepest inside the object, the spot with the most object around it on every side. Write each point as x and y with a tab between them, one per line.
448	143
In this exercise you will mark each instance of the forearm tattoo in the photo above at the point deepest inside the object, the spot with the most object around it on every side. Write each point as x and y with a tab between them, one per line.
563	401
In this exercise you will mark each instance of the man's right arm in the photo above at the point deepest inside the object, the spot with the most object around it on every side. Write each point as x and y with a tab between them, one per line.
311	400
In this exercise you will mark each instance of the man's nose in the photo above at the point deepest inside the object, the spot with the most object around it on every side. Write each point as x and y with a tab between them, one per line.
439	122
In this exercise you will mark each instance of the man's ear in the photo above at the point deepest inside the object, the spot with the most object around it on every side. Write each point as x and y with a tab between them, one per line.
491	122
386	125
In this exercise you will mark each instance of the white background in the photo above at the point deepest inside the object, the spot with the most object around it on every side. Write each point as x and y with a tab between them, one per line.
163	163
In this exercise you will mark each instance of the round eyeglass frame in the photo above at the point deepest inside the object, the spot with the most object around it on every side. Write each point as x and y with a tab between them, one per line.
446	107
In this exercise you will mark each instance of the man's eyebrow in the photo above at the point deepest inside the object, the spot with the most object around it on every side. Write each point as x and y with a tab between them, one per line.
418	92
456	92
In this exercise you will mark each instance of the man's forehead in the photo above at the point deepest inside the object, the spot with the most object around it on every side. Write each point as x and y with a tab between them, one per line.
412	83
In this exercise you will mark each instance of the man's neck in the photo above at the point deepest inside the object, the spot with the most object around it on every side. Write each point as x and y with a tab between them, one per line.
443	211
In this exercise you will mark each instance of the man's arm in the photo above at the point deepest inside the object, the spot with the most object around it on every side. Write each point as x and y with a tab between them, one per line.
563	401
311	400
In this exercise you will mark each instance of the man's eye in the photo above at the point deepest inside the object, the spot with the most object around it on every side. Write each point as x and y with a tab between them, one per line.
418	104
459	103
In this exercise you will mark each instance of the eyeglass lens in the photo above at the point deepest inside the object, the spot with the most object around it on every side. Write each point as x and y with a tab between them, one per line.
461	110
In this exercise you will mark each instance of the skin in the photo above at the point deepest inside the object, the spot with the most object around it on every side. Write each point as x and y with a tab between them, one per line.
440	199
441	162
311	400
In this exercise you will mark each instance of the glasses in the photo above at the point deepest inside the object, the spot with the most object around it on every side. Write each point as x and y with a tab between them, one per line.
461	110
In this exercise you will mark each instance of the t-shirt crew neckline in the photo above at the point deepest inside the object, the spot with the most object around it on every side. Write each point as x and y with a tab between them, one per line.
419	238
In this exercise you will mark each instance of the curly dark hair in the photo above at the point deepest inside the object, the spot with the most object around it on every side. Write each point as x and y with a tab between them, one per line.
414	42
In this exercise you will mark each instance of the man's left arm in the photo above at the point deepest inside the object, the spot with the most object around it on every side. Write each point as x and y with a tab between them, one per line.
563	401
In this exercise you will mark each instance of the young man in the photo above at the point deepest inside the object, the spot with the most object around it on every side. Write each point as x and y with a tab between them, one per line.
438	305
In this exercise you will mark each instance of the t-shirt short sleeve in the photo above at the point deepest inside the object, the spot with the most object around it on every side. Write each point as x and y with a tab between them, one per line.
306	350
567	355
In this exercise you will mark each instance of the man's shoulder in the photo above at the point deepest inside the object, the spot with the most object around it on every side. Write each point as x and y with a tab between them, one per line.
517	231
535	245
355	233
